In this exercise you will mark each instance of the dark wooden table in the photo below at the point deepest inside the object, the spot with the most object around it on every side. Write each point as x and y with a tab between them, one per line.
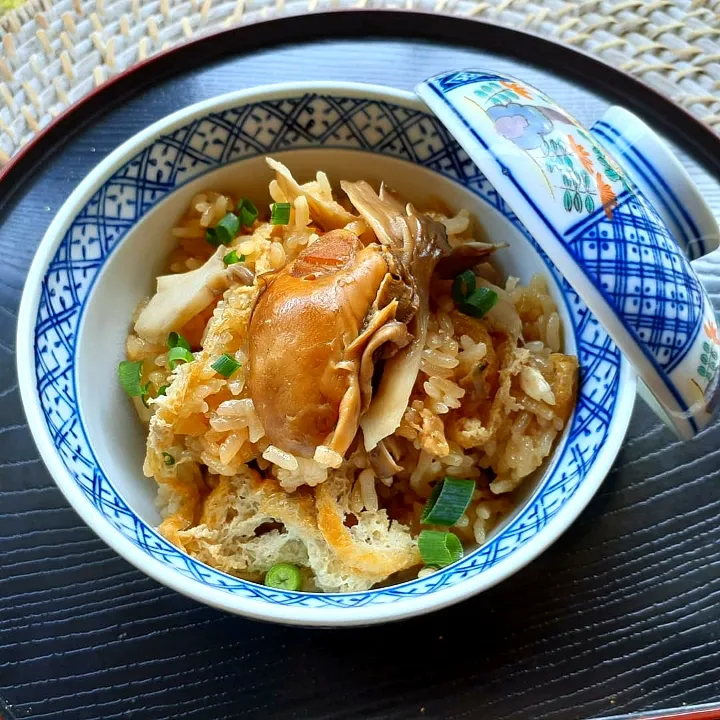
621	614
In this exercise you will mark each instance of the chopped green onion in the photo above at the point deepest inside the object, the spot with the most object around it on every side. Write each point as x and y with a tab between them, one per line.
439	549
168	458
280	213
463	285
177	340
469	299
226	365
130	374
179	354
247	211
232	257
284	576
162	390
478	302
224	231
448	501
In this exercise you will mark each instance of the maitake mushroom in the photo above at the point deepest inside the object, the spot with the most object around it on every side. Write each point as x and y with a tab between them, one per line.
180	297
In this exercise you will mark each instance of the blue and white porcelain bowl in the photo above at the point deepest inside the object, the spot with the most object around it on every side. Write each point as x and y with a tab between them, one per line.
100	257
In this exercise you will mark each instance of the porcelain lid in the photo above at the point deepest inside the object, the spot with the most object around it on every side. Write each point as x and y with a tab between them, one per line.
616	213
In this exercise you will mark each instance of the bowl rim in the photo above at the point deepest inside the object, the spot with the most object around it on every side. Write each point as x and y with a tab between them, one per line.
251	607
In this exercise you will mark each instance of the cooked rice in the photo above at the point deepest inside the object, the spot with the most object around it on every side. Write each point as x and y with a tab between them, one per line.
491	397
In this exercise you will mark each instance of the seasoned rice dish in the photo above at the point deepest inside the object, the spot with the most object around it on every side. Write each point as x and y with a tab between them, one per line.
341	391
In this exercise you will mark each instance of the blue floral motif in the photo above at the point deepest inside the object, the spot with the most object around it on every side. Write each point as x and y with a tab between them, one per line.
522	124
206	144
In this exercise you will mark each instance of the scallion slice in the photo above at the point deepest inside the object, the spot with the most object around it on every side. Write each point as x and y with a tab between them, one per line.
439	549
447	503
463	285
472	300
284	576
478	302
280	213
177	340
177	355
247	212
232	257
224	231
162	390
130	374
168	459
226	365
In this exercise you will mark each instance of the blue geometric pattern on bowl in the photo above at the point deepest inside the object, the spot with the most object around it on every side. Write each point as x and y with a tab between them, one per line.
639	266
309	121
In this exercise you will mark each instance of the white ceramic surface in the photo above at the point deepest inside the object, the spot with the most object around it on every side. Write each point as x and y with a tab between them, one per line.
105	246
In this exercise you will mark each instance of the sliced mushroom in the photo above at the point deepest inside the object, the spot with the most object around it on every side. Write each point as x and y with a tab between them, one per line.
393	335
465	257
419	243
181	296
385	217
329	214
382	461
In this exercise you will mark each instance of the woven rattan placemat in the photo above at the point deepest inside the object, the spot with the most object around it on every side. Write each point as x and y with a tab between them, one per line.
53	53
